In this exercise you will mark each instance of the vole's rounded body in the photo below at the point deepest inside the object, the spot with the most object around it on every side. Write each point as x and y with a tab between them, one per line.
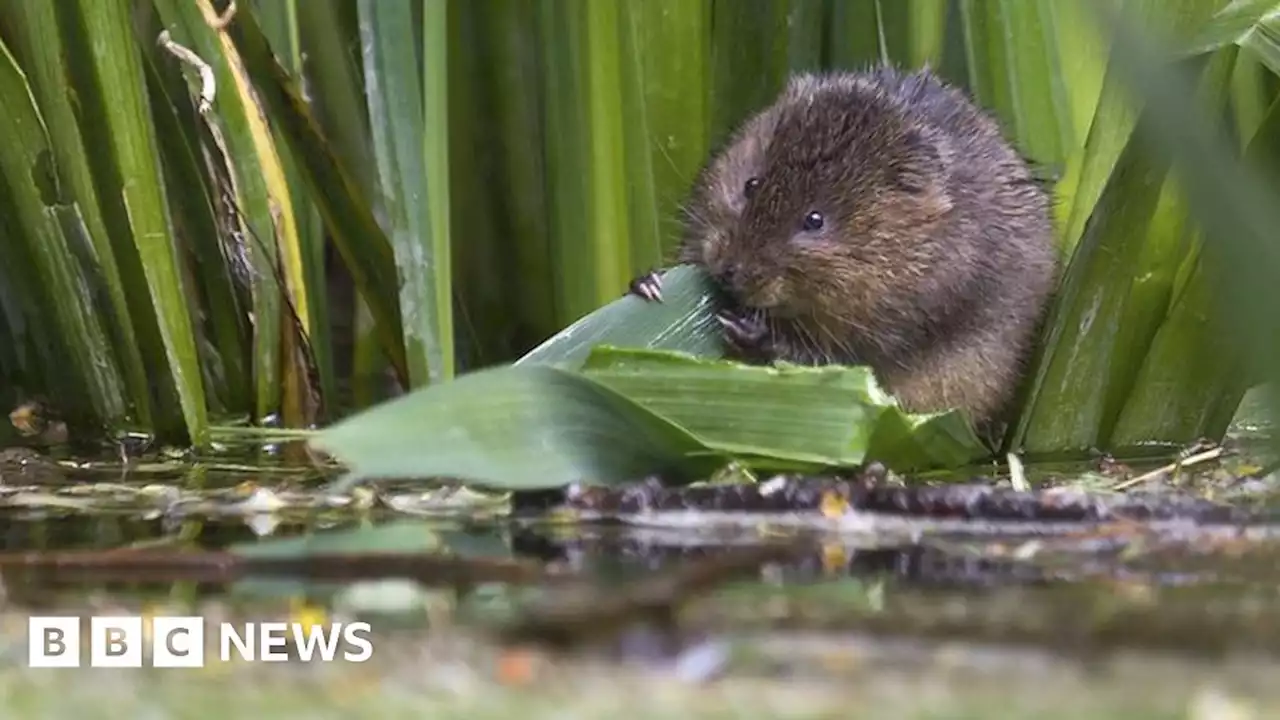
879	218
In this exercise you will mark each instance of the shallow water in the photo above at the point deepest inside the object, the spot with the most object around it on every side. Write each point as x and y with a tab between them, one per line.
490	615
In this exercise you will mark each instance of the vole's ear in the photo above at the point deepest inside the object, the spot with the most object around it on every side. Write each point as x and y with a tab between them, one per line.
920	168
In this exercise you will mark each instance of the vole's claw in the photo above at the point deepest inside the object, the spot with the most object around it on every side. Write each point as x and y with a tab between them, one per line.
745	334
647	287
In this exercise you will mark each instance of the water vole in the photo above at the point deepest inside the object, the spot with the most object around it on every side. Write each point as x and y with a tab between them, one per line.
877	218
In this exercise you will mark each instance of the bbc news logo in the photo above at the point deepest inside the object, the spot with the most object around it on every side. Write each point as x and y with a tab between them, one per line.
180	641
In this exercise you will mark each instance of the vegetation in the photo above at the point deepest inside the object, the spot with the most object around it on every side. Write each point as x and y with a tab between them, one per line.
188	192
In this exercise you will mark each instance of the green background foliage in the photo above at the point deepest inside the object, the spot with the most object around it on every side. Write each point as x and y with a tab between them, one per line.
391	192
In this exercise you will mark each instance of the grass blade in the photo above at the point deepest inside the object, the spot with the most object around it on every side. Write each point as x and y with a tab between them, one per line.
1090	165
855	34
1229	199
395	102
346	212
282	24
502	200
1013	65
117	68
666	52
35	27
749	59
435	141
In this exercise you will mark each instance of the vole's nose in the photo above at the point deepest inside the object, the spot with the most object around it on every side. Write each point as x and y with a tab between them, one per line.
728	275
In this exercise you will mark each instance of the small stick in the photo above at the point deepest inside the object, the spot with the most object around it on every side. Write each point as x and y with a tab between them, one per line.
1017	474
1212	454
208	83
220	22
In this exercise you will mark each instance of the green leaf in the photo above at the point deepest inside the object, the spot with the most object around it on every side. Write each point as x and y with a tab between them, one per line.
343	204
634	412
1232	202
437	250
513	427
684	320
27	176
394	97
125	111
832	415
406	536
1250	24
749	59
665	51
1090	165
914	30
854	31
1013	66
41	50
798	413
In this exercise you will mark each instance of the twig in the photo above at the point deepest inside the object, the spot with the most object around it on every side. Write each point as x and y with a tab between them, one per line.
1211	454
208	83
219	22
1017	475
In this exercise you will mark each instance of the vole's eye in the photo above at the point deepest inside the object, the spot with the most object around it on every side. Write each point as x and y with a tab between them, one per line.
813	221
751	186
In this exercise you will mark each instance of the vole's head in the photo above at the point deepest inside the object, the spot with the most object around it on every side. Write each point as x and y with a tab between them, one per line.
823	203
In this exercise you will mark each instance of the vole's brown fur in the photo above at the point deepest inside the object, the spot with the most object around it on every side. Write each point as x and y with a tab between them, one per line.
934	259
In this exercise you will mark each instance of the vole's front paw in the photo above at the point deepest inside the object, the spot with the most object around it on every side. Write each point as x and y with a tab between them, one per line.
647	287
747	335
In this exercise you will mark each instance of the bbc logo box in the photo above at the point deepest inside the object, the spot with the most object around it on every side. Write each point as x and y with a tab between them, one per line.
129	641
115	641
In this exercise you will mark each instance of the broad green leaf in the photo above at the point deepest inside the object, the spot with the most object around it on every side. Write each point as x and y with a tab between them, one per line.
684	320
827	416
800	413
630	413
933	441
513	427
